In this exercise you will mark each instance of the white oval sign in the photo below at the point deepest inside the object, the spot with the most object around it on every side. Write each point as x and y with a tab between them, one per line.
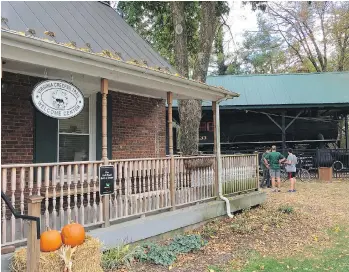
58	99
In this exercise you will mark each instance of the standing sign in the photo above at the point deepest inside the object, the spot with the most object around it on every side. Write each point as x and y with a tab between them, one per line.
106	180
58	99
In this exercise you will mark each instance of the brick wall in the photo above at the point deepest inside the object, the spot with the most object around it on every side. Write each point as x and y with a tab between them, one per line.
139	123
139	127
17	119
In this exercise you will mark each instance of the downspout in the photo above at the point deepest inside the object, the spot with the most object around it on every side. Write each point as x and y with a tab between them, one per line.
219	158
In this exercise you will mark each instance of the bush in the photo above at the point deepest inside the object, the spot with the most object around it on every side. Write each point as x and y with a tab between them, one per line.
187	243
120	256
167	254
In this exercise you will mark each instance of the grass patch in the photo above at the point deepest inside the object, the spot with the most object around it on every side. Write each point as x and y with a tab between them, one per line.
335	258
214	268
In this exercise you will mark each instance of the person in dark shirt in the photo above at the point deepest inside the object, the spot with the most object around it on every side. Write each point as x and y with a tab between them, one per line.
266	176
273	160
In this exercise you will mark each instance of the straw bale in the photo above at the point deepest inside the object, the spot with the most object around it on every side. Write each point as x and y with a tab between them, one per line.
87	257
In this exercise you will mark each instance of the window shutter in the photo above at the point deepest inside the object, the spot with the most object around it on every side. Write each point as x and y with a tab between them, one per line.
46	137
99	126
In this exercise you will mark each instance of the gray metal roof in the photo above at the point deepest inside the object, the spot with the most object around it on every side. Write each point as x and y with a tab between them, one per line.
93	23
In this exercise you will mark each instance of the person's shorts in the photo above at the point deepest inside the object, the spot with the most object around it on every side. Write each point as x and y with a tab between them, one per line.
274	173
291	175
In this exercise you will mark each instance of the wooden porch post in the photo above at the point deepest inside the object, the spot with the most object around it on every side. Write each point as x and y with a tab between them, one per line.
215	149
33	243
104	92
170	147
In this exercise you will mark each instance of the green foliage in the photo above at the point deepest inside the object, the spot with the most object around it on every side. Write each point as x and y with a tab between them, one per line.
167	254
157	254
120	256
187	243
153	21
286	209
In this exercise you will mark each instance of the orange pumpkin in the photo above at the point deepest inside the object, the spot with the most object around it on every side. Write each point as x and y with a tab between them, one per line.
50	240
73	234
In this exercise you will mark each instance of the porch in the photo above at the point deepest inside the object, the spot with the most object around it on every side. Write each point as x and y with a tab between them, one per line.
141	188
70	187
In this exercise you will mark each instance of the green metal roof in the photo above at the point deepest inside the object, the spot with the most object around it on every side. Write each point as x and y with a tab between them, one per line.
280	90
284	90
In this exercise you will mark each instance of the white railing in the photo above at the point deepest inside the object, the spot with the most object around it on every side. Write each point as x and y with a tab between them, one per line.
194	178
239	173
141	186
70	191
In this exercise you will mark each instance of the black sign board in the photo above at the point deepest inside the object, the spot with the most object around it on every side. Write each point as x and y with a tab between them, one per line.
106	180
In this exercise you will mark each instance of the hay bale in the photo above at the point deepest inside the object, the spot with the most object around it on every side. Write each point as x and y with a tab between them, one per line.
87	257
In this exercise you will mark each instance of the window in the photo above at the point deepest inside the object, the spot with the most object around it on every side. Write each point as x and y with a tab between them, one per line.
74	136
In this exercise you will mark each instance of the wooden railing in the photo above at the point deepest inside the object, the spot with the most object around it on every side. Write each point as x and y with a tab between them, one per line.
141	186
194	179
240	173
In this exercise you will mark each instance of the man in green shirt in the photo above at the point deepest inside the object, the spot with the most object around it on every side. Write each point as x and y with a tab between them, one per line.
272	161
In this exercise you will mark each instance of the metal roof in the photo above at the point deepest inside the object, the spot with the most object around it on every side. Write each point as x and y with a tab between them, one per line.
284	90
93	23
281	90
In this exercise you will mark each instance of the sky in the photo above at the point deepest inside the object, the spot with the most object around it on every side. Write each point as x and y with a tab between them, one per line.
240	19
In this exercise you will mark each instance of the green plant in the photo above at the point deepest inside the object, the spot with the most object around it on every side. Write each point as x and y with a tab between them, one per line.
157	254
286	209
187	243
209	230
122	255
167	254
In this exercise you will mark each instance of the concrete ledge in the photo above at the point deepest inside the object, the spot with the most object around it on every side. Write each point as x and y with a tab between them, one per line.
143	228
155	225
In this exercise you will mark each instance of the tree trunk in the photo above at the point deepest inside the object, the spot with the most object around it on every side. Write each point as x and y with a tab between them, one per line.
190	110
180	43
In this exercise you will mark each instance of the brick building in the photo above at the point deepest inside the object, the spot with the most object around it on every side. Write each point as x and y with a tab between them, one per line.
81	60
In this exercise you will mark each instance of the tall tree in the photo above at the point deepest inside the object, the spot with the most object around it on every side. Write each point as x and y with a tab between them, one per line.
339	31
301	25
183	32
263	52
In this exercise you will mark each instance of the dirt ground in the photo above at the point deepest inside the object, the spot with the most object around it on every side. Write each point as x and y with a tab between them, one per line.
287	224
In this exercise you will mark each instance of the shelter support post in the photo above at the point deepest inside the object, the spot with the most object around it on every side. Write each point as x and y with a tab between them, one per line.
283	130
283	126
170	147
346	132
104	92
216	184
33	242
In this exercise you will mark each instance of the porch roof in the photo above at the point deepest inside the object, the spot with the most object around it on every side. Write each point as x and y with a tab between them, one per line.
31	55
